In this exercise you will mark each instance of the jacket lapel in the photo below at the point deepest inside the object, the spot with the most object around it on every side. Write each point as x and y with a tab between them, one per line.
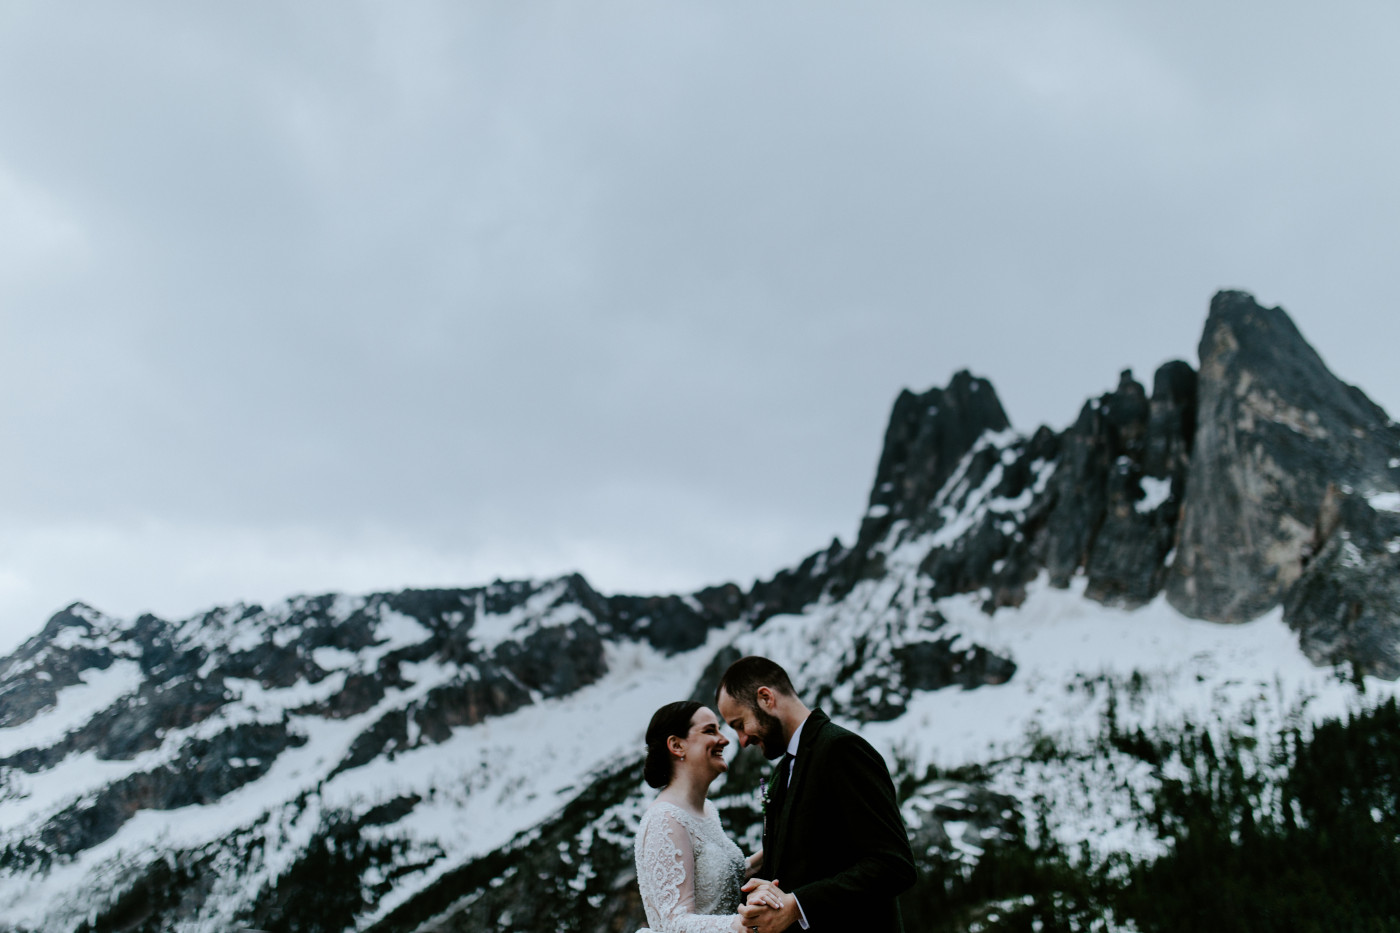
800	765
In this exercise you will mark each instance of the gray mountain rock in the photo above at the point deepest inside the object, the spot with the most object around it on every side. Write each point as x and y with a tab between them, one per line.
1120	477
1261	481
1274	429
1345	605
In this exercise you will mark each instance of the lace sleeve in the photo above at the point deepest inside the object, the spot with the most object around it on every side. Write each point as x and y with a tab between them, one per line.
666	876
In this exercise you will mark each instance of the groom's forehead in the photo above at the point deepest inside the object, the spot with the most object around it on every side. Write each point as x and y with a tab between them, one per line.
737	712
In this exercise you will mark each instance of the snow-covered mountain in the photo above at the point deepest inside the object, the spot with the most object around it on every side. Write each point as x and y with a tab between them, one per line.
1217	555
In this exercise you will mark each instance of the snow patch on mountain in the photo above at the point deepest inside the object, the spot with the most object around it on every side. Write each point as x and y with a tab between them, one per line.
76	704
1155	493
1189	671
476	791
1385	501
542	610
492	781
1079	664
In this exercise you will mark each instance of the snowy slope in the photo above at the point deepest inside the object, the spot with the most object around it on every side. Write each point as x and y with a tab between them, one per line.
490	782
1078	664
378	762
479	787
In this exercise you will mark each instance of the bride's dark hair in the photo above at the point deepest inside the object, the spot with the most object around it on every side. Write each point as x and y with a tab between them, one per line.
671	719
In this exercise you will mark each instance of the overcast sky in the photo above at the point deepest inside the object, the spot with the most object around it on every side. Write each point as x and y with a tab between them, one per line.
310	296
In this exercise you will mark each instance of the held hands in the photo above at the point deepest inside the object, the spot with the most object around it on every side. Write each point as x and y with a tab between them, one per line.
763	893
769	909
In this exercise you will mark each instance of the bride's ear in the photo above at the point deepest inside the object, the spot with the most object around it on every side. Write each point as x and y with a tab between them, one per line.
676	746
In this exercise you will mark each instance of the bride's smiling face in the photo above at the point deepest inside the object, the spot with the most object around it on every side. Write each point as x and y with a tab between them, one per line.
704	745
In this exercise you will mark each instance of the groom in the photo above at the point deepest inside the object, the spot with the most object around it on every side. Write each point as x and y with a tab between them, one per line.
833	840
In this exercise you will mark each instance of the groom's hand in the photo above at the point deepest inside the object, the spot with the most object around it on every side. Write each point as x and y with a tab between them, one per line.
761	918
763	893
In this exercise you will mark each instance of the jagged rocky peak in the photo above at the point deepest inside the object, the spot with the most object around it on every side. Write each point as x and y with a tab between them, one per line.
1121	470
1275	429
75	639
1172	429
928	435
1099	499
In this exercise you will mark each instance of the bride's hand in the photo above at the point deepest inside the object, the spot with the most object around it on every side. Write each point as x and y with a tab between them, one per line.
764	893
769	916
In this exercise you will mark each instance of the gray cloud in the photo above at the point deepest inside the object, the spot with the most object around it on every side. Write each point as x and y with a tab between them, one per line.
355	296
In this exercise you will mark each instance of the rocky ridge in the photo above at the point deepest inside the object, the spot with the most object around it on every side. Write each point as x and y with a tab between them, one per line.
1262	481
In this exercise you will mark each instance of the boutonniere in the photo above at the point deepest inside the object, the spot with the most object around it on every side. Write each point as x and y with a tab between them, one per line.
764	792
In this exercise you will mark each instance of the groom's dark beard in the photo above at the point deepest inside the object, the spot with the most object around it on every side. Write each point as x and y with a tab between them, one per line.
771	737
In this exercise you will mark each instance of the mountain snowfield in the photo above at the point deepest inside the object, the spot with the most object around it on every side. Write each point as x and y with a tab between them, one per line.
1003	630
480	788
492	781
1075	658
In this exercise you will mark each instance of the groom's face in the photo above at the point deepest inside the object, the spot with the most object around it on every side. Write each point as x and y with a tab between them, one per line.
770	735
754	725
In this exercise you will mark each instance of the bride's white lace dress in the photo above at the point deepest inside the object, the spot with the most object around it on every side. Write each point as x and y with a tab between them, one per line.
689	871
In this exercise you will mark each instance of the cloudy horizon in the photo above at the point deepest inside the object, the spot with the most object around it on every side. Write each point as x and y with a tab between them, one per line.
351	297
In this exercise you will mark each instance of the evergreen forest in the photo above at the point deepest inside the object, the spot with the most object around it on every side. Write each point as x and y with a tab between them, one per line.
1305	843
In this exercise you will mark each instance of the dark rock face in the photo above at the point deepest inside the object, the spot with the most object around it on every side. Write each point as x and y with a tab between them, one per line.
1120	474
132	725
550	661
791	590
883	669
204	771
927	437
1271	481
933	665
1274	428
1100	499
55	658
466	701
1149	443
494	649
705	687
982	514
1346	604
998	555
948	458
1095	476
359	694
136	724
1228	469
669	623
556	661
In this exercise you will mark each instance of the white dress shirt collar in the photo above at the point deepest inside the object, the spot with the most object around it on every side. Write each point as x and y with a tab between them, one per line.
796	737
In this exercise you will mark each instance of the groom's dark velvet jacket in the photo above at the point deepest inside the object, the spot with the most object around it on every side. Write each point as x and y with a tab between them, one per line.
839	843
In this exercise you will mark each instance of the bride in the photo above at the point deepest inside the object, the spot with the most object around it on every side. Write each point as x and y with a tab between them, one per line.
688	870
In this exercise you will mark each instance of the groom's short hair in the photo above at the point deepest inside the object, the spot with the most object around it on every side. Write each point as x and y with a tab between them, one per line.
743	678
